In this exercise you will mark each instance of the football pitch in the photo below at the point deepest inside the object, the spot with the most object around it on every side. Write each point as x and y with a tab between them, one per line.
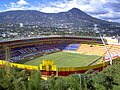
64	59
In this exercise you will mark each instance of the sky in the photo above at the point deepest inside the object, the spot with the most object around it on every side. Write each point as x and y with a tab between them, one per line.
103	9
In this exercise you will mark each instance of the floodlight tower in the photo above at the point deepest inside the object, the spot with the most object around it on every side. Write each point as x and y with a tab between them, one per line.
7	53
96	29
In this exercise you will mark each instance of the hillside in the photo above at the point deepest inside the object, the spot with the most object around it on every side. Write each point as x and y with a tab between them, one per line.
74	19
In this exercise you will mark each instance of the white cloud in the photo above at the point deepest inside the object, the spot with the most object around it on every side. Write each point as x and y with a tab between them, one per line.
111	15
22	2
85	5
20	5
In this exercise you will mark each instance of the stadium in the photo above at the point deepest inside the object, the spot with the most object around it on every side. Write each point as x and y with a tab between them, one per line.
58	55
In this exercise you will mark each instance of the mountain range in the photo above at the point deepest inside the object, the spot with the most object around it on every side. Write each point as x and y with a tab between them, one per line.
73	18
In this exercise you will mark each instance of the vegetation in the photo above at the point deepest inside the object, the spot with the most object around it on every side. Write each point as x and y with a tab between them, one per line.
15	79
64	59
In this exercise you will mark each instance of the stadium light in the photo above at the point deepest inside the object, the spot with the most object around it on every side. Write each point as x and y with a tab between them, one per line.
96	29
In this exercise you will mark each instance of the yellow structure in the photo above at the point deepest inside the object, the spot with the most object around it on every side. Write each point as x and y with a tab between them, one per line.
48	65
22	66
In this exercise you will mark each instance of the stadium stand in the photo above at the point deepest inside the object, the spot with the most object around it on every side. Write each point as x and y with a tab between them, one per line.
72	47
92	49
21	49
84	48
99	50
2	54
114	51
26	52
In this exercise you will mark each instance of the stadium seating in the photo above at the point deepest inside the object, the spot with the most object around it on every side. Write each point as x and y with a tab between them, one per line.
84	49
2	54
23	52
114	51
19	53
92	49
99	50
72	47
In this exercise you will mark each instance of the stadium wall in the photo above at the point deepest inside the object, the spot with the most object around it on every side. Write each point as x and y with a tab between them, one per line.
61	71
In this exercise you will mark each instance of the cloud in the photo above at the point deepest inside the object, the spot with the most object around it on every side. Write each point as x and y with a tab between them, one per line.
111	16
20	5
114	6
22	2
89	6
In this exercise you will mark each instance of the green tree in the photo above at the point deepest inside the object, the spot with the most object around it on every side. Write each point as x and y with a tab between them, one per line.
35	80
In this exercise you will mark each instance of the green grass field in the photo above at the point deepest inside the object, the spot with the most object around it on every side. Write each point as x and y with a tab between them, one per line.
64	59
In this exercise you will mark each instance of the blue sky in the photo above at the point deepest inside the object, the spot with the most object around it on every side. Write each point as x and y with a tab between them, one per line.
103	9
